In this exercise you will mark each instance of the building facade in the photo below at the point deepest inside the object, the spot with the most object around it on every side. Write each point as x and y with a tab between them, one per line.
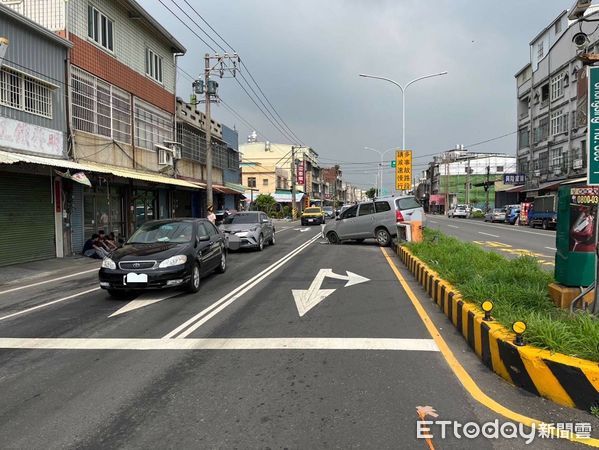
551	106
33	129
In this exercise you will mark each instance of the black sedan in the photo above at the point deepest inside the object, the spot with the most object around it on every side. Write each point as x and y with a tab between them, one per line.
165	253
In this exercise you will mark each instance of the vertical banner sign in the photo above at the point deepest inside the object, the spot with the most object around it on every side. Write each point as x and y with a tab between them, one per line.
301	173
403	170
593	128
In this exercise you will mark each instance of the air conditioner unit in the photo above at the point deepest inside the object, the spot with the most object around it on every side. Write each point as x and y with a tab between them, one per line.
557	171
177	152
550	138
537	173
577	164
165	157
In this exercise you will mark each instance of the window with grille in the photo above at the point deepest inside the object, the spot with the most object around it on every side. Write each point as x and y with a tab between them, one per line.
100	28
559	122
252	182
152	125
555	158
557	87
99	107
540	50
153	65
23	92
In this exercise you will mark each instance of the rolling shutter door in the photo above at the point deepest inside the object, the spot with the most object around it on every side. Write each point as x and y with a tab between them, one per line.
77	238
26	219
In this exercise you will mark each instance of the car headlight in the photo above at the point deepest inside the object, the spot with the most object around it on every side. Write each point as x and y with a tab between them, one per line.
173	261
108	263
241	233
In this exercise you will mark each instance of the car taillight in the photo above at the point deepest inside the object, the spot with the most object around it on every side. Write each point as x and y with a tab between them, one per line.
399	216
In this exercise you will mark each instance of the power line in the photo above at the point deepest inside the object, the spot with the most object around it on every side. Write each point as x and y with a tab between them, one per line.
186	26
284	126
491	140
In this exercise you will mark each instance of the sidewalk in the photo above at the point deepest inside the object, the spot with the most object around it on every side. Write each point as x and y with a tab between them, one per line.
35	270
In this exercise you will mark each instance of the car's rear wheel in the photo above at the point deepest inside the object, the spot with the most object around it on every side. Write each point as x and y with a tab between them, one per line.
545	225
222	267
333	238
193	285
260	243
383	237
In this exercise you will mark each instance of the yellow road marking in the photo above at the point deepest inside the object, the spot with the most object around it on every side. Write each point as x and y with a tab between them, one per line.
461	374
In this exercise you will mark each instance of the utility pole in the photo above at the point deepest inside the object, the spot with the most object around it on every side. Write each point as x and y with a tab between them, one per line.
468	182
208	124
293	204
218	65
487	188
446	163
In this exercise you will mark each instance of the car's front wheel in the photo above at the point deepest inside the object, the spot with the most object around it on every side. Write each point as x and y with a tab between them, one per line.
193	285
273	239
260	245
333	238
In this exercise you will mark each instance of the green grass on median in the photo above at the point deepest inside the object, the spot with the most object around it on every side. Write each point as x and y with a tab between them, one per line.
518	289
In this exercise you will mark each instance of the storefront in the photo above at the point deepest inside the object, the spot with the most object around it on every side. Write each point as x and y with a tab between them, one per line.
27	219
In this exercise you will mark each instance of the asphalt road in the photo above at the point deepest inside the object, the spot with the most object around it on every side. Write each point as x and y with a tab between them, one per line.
303	345
509	240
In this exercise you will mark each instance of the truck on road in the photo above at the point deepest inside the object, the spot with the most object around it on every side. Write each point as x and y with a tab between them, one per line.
543	212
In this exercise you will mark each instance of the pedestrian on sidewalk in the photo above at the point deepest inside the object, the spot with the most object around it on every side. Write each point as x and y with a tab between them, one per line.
211	216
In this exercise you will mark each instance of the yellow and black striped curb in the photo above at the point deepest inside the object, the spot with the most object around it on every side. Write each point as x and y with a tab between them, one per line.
563	379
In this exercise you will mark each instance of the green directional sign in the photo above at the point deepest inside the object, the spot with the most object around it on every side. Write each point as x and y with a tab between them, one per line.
593	128
393	164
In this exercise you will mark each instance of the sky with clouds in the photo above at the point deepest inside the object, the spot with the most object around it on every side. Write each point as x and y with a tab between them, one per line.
306	56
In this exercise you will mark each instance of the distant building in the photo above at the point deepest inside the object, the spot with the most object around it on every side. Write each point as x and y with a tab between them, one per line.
551	106
459	177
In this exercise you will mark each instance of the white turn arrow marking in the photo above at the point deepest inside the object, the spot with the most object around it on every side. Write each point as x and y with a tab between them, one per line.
301	230
305	300
144	300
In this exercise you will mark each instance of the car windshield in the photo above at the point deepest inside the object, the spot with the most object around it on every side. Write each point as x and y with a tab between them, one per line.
242	218
154	232
328	208
312	210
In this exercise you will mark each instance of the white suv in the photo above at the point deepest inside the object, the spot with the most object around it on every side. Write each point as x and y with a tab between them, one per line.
376	219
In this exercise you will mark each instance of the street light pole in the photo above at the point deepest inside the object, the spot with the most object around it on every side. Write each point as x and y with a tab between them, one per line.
403	98
380	171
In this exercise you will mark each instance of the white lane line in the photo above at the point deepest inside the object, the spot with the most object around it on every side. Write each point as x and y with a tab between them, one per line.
432	221
18	313
514	228
282	229
487	234
49	281
294	343
452	226
203	316
551	248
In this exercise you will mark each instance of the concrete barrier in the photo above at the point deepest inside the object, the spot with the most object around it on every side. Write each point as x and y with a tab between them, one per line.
566	380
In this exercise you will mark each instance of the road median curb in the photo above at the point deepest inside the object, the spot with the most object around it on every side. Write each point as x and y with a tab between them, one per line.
565	380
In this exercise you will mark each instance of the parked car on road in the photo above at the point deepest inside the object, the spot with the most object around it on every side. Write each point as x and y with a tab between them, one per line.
376	219
512	215
329	212
313	216
251	229
495	215
165	253
458	211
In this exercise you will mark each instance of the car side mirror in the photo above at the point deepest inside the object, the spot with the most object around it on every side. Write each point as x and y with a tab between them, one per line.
265	221
203	238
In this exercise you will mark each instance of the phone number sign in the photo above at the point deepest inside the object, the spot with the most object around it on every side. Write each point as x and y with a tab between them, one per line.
403	170
593	128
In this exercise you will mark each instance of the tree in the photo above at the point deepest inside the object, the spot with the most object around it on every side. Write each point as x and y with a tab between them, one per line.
371	193
265	203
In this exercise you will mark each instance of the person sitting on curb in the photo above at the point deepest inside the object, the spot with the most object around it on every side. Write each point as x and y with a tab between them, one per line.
93	248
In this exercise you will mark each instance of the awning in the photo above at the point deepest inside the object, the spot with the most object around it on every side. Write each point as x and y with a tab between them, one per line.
225	190
515	189
576	181
238	188
545	186
12	158
286	197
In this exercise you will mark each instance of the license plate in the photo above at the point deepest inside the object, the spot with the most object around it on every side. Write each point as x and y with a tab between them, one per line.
136	278
310	220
